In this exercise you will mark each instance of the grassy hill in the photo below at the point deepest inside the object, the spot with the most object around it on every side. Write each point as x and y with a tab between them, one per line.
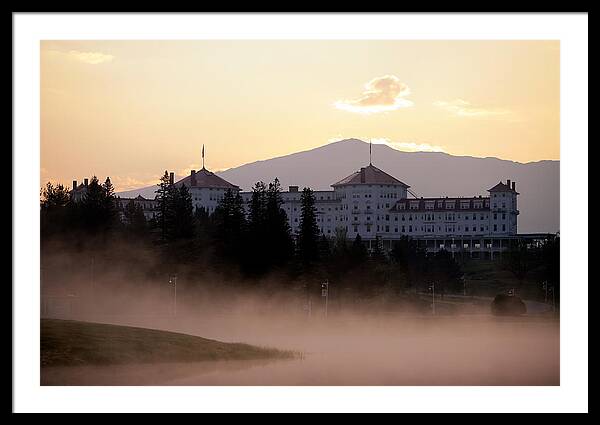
72	343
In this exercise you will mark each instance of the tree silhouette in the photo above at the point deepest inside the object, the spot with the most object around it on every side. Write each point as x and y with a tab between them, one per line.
163	197
98	207
358	251
519	260
135	220
277	235
55	209
230	226
308	234
181	213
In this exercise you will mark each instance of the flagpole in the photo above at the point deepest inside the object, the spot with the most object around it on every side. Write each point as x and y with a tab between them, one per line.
202	156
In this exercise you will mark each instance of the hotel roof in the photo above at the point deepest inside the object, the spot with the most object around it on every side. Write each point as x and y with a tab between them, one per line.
501	187
205	178
370	175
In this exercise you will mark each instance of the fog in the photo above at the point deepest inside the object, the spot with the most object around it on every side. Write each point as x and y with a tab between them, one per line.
366	344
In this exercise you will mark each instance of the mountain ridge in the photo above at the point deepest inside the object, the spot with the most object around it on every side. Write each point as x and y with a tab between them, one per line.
430	174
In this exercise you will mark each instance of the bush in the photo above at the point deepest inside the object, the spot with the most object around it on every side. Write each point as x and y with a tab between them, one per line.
505	305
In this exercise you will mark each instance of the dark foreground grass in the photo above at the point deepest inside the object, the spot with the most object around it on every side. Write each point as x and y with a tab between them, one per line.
74	343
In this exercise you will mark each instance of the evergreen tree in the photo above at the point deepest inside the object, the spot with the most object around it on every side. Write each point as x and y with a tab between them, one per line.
182	213
324	249
163	196
358	252
445	272
230	222
200	215
257	210
54	196
278	237
55	209
409	260
135	220
308	236
98	206
255	261
109	201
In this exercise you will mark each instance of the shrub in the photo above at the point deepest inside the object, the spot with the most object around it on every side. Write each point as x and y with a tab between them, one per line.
505	305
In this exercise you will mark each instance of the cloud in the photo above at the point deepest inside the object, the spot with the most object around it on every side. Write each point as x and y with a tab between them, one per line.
187	171
92	58
129	183
381	94
408	146
463	108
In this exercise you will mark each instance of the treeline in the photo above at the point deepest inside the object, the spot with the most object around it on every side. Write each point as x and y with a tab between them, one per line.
538	262
242	244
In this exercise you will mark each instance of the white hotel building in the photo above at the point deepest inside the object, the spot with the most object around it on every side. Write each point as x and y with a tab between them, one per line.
376	205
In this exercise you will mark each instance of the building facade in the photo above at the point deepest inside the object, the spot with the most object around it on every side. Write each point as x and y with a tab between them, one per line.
372	203
375	205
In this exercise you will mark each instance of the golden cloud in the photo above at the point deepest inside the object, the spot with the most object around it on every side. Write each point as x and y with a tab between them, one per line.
92	58
408	146
463	108
381	94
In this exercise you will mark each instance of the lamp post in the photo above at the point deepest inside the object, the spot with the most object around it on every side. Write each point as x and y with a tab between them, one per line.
325	293
432	289
173	281
545	287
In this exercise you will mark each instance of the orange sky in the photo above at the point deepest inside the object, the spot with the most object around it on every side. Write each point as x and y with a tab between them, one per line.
131	109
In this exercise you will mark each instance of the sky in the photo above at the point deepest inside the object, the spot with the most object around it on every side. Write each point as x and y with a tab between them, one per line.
132	109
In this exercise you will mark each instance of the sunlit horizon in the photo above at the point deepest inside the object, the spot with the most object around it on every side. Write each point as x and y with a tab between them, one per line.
131	109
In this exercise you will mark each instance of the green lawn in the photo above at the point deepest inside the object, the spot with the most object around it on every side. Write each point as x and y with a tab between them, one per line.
70	343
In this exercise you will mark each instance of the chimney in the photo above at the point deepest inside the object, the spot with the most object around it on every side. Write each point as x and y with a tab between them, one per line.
362	175
85	182
293	188
508	182
171	178
193	178
74	184
513	186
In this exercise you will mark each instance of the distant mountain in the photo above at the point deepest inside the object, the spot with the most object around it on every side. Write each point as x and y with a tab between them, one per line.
428	174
